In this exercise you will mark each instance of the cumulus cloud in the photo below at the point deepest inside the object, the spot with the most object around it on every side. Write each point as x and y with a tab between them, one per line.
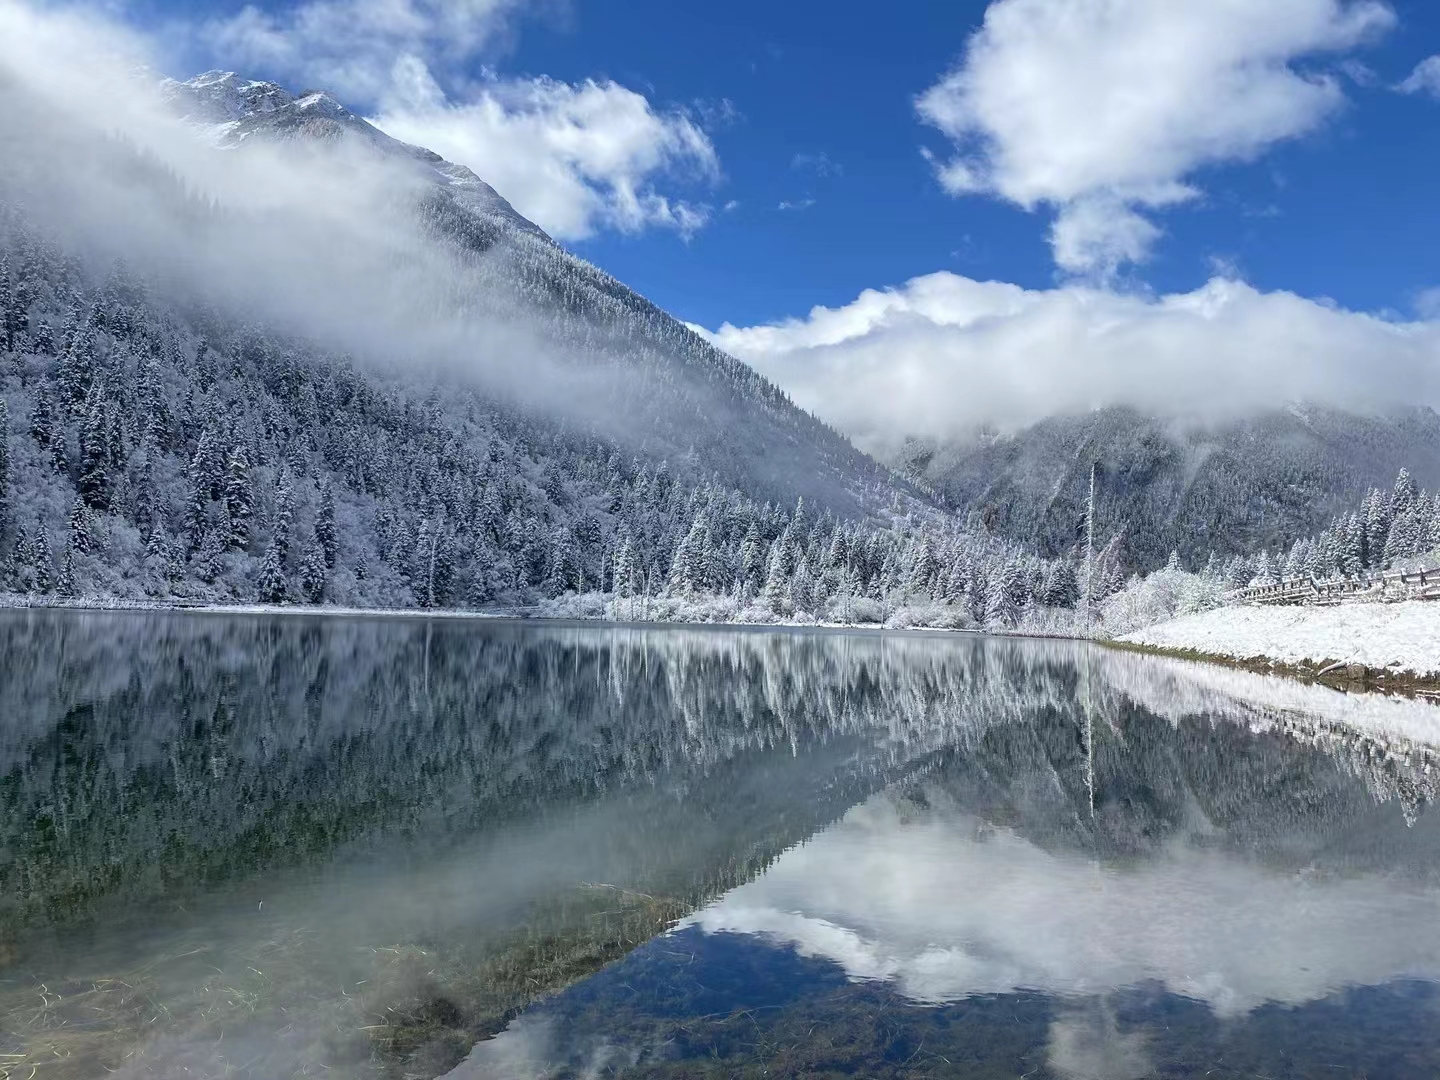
573	157
350	46
1104	108
944	354
1425	79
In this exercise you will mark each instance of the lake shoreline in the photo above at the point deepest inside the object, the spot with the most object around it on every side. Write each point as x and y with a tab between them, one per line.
1379	646
1336	674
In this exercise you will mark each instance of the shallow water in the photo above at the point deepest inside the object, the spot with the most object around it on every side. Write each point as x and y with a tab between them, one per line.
264	847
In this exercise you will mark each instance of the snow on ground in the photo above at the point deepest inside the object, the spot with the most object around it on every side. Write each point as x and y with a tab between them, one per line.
1403	636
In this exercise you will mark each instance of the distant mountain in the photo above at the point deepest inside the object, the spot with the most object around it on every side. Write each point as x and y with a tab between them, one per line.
188	416
687	398
1170	485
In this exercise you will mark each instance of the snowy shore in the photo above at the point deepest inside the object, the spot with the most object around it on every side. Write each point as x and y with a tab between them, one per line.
1401	639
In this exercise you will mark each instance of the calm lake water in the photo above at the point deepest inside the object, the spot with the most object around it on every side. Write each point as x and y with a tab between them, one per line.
243	846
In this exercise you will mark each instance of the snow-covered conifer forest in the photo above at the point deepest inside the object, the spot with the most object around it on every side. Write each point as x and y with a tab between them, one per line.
155	451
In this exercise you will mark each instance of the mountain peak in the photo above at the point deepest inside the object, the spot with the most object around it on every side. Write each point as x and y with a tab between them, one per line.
222	97
232	110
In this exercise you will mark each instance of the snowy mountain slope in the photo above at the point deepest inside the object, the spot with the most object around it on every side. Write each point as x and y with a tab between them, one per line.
229	109
693	401
1231	487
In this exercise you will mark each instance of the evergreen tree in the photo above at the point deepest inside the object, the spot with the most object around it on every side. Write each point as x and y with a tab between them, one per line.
5	509
777	581
325	529
239	500
205	477
67	585
42	561
77	370
1062	589
273	585
314	575
1403	495
95	450
752	557
12	311
45	430
81	528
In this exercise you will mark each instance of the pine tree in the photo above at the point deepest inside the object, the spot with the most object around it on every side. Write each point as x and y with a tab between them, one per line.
1403	495
67	585
1001	610
42	560
325	530
314	576
274	586
77	370
95	455
239	500
82	528
1062	589
752	557
205	476
777	580
625	570
282	528
5	509
12	314
45	430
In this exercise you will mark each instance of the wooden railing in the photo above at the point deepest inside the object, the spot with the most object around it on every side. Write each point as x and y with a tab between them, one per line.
1365	586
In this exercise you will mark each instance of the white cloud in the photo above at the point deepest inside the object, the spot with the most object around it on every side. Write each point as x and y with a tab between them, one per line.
795	204
574	158
944	908
350	46
943	354
1425	79
1101	108
820	164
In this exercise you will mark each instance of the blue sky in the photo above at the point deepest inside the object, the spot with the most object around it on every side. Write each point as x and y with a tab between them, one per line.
924	216
1344	211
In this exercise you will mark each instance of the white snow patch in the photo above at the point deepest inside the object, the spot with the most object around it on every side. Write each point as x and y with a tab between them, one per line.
1403	636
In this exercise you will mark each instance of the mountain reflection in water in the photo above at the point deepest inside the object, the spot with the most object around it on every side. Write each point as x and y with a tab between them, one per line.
256	846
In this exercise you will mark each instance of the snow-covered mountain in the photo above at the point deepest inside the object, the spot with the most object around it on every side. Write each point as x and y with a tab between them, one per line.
195	408
230	109
1234	487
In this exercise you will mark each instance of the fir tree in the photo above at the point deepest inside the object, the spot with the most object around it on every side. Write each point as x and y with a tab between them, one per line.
42	561
12	314
314	575
81	528
777	580
239	500
67	585
205	473
273	585
4	467
325	530
95	451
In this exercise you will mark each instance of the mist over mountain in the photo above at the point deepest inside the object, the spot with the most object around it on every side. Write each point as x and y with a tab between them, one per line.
1163	484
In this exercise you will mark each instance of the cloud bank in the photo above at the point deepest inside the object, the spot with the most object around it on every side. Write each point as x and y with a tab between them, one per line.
1102	110
575	158
943	354
944	909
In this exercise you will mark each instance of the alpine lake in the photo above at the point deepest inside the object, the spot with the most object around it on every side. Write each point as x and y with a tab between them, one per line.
292	846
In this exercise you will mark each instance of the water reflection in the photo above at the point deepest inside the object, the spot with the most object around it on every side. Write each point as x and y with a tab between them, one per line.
358	846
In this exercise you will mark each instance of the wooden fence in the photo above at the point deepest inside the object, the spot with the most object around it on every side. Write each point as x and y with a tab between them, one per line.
1366	586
